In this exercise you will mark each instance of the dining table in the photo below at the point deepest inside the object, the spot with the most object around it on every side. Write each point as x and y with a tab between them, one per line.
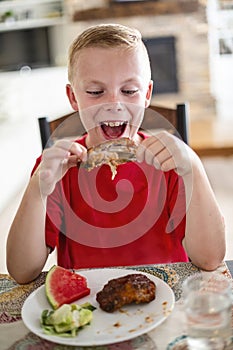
169	335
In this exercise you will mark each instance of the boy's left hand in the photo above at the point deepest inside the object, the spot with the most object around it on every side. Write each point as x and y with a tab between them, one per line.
166	152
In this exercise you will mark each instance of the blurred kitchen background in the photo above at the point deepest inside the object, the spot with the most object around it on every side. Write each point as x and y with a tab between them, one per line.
190	43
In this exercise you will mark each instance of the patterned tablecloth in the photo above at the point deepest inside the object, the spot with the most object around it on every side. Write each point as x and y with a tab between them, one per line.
165	336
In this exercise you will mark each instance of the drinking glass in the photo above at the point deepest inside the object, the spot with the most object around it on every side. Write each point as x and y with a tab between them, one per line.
208	309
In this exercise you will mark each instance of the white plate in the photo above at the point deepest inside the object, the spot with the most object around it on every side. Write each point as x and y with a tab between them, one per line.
105	328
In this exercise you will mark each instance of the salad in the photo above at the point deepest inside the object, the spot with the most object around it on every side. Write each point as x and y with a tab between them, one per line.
67	320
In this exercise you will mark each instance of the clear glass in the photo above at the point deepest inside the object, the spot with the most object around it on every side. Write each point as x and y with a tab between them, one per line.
208	309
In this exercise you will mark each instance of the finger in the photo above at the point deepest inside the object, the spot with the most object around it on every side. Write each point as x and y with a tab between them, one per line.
71	146
55	153
153	151
144	146
64	144
168	165
161	158
79	150
62	149
156	163
73	161
168	160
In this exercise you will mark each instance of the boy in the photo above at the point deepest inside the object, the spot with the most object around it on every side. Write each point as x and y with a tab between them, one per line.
156	210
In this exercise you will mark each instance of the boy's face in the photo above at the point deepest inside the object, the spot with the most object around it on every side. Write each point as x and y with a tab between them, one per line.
110	89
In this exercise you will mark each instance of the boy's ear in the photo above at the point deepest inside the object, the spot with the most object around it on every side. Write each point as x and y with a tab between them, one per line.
149	94
71	96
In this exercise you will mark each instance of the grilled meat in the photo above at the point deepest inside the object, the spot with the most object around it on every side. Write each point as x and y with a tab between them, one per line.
133	288
112	153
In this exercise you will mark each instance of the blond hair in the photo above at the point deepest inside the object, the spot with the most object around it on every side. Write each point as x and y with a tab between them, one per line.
105	36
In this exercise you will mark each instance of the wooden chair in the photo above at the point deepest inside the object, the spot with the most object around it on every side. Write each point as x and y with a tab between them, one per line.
175	120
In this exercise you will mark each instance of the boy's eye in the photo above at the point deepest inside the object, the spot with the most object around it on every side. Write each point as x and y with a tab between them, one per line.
95	92
130	92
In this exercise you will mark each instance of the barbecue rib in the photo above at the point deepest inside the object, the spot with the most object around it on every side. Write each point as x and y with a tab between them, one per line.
133	288
112	153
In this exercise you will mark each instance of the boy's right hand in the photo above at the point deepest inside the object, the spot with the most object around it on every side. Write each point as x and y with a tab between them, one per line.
55	162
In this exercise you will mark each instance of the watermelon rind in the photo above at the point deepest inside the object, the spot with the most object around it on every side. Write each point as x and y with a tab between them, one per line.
48	291
63	286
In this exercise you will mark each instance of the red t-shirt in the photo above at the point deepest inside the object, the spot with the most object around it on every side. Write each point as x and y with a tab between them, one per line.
137	218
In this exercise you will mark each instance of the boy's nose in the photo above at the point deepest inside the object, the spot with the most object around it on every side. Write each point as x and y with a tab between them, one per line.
114	107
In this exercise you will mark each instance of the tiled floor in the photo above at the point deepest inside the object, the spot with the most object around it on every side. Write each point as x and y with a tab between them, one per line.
219	171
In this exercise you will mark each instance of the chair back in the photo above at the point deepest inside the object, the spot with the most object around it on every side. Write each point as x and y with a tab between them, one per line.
175	119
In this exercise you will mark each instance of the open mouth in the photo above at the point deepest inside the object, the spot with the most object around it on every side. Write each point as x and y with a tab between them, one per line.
113	129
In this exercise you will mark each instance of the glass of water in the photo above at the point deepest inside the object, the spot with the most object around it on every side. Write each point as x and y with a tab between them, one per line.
208	310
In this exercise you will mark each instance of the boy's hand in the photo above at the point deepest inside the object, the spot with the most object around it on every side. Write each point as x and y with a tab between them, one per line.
56	161
166	152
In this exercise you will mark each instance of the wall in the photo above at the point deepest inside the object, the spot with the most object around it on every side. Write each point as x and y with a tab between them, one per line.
191	31
24	98
221	28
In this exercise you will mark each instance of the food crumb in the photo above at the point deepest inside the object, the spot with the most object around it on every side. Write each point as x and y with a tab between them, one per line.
148	319
117	324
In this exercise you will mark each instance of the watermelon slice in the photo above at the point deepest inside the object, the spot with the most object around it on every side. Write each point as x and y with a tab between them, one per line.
63	286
